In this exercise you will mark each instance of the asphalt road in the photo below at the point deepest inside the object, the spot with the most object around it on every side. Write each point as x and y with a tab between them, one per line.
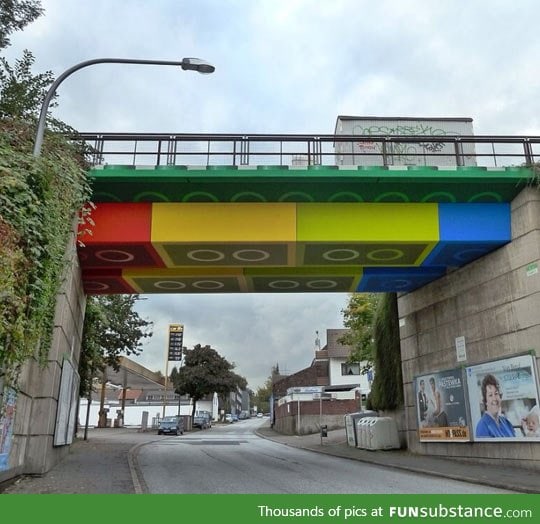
233	459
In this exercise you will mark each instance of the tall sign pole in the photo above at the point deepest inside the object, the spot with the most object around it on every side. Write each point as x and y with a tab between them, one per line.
180	393
173	353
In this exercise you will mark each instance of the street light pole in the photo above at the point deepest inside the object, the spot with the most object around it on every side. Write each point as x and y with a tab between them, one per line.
187	64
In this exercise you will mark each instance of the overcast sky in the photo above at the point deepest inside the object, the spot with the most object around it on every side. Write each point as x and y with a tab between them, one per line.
283	66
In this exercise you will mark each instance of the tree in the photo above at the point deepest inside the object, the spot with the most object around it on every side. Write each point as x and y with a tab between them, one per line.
359	316
21	92
15	15
111	328
387	387
174	375
204	372
261	399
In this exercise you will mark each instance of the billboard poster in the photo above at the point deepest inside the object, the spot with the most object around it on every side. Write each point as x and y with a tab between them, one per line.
67	404
440	407
503	398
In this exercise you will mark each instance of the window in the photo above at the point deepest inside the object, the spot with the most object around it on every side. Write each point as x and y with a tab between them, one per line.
350	369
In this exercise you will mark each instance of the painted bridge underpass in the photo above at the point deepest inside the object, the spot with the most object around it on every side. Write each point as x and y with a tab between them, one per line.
230	229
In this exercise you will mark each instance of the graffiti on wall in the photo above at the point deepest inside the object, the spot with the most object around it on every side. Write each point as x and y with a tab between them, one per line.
7	416
418	129
432	141
404	153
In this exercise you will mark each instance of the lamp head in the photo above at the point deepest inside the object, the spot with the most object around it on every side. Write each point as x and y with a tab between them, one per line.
196	64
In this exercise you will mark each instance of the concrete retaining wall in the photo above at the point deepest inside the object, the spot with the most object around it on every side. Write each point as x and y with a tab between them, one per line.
494	303
32	450
288	421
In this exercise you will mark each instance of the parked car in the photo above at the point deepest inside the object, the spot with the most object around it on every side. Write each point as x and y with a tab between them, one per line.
208	416
202	420
171	426
228	418
259	415
235	418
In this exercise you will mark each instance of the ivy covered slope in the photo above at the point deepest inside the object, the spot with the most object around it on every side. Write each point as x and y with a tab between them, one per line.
39	200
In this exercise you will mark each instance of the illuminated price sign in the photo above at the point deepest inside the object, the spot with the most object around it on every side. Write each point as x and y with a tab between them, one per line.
176	340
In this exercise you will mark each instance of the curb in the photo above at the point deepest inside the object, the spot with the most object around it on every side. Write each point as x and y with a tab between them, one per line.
139	485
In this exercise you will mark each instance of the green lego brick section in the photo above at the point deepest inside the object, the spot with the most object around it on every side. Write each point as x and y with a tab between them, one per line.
121	183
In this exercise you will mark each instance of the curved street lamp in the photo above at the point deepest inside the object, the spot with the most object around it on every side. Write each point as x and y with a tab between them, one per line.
187	64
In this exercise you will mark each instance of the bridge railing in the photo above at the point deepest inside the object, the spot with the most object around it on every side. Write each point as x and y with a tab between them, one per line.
309	150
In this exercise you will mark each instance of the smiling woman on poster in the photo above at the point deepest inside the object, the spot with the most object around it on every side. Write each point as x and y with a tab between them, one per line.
493	423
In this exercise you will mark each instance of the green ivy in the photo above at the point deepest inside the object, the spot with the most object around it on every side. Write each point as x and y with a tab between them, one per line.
535	179
39	201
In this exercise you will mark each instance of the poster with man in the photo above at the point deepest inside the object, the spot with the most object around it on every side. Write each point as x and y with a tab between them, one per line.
440	407
504	401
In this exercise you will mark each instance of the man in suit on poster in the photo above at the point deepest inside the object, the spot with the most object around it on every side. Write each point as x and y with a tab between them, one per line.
422	402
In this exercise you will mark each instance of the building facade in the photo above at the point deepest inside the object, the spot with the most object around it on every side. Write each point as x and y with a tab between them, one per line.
322	393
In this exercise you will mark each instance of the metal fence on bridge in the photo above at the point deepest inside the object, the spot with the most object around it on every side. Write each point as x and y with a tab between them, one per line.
309	150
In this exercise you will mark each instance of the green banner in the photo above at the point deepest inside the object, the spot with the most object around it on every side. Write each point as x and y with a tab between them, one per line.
253	509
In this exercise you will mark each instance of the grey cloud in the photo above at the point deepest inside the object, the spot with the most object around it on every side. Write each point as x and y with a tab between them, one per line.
284	67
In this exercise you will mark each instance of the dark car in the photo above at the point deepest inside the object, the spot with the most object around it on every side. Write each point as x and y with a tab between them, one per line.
171	426
202	420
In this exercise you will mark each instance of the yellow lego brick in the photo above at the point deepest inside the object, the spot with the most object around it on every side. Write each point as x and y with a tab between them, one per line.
367	222
223	222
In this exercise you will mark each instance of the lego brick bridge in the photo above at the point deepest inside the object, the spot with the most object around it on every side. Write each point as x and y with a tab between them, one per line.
285	213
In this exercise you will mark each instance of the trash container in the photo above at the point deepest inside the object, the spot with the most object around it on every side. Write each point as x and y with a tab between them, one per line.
361	426
351	420
358	430
367	435
350	430
382	433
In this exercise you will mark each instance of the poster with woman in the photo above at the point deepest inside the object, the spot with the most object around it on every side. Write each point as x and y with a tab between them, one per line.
504	401
440	407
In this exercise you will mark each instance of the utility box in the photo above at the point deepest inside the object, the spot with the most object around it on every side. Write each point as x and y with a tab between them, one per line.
432	141
382	433
351	420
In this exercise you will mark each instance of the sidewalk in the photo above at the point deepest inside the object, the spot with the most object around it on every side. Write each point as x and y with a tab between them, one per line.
495	475
105	464
101	464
